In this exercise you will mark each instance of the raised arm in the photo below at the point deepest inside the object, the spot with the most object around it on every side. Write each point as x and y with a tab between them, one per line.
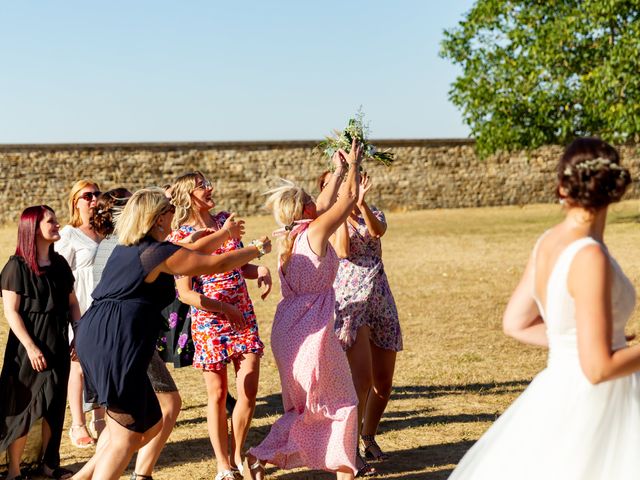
328	194
341	241
209	240
590	285
521	319
376	227
11	304
326	224
186	262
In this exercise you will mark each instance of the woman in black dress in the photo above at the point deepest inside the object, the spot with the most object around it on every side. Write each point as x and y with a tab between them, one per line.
117	335
39	303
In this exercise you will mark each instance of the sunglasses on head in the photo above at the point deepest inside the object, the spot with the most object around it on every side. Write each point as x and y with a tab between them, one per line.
204	185
89	195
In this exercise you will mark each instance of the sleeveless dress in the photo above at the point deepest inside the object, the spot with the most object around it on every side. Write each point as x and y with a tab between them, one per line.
216	343
26	394
79	251
320	425
116	337
563	427
363	296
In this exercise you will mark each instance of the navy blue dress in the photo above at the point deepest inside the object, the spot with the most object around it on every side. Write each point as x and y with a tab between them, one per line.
116	337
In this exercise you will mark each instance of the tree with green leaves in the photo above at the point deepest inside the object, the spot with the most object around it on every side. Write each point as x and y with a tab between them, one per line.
540	72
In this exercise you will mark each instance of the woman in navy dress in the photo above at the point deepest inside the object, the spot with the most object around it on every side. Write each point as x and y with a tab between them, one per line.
117	335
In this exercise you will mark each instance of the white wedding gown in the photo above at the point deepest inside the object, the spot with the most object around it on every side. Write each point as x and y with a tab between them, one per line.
562	426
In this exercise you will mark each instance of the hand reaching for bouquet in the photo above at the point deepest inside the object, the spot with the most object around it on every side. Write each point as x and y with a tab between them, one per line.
365	186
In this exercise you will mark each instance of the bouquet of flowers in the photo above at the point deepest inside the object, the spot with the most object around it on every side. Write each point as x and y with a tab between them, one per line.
359	130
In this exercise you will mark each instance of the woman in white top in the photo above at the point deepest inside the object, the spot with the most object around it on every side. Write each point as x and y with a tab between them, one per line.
580	417
78	245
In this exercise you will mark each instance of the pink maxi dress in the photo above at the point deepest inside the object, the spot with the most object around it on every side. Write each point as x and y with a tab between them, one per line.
319	427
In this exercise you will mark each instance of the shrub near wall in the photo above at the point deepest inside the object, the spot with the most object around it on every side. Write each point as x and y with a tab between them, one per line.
426	174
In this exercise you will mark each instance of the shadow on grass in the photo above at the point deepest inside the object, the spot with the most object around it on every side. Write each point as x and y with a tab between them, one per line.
402	392
410	464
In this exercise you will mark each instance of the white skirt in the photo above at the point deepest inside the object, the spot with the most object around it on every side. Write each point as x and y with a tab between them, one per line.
563	428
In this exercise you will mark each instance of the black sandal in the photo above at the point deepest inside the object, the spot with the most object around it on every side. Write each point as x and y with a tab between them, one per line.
372	450
364	468
137	476
58	473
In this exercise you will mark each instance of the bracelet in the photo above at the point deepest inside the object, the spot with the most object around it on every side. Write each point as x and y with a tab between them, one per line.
260	246
339	175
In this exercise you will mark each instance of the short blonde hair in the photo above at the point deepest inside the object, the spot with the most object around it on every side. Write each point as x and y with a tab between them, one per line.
286	202
181	191
139	215
74	213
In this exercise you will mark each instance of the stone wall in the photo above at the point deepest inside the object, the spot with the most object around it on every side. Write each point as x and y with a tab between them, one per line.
426	174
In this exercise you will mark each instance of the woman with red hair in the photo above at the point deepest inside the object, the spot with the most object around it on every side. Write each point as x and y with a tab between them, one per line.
39	302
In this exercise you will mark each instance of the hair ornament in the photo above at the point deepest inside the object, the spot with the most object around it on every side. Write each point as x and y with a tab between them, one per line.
595	165
293	229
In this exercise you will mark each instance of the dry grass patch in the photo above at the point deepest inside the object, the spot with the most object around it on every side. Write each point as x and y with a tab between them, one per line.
451	272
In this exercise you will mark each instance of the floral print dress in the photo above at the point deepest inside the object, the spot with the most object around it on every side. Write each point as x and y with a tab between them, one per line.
216	342
363	296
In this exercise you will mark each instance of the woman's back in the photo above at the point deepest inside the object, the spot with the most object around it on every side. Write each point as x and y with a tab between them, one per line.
554	256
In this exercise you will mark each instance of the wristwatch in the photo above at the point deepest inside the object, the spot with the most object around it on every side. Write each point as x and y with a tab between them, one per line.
260	246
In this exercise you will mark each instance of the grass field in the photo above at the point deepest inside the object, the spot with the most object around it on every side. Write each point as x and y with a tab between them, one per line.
452	272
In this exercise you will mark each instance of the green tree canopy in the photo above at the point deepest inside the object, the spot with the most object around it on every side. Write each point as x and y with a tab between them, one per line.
536	72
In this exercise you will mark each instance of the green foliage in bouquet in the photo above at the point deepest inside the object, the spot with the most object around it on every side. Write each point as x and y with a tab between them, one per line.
359	130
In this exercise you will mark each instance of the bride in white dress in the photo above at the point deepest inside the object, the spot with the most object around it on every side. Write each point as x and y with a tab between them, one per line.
580	417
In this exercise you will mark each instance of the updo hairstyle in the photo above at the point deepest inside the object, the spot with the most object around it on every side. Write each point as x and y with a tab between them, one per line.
590	175
108	205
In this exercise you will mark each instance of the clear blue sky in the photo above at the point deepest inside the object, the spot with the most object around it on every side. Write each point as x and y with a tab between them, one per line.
142	70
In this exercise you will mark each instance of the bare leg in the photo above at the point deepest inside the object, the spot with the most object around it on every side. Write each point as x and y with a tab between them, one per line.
79	433
118	451
247	376
98	423
86	472
359	356
15	451
170	403
344	473
216	383
383	367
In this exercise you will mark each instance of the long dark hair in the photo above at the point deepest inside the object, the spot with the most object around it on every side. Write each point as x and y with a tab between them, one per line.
27	227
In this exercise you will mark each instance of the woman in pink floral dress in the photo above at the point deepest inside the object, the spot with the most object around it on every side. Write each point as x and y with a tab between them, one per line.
223	322
319	427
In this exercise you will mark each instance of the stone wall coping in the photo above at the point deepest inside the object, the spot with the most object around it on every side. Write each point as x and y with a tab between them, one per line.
243	145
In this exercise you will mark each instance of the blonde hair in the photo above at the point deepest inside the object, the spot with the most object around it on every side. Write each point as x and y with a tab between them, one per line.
181	191
74	213
139	215
286	202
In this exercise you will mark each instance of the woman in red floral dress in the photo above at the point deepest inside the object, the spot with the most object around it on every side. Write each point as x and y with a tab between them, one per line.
223	322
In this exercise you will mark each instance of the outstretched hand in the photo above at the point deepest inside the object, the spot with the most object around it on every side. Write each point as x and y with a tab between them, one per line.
354	157
365	186
338	160
233	227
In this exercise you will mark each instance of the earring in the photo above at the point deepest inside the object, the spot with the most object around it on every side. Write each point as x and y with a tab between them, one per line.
561	201
160	228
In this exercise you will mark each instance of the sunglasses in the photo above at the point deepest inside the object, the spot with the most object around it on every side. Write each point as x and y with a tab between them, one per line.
89	195
204	185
